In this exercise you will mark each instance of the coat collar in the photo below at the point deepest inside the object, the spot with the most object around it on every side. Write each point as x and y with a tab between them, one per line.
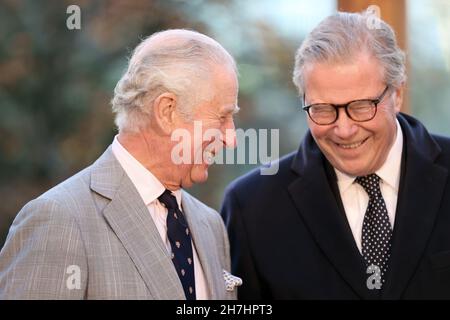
203	238
130	220
420	193
319	206
421	187
128	217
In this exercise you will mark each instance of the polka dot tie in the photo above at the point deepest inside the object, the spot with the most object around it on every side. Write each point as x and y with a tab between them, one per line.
180	242
376	230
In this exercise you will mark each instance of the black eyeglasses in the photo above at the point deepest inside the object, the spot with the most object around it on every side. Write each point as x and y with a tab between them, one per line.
357	110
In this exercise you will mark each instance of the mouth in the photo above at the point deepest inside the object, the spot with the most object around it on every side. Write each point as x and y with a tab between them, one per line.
353	145
208	156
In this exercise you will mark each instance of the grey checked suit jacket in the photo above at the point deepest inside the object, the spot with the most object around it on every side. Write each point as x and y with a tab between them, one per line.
92	237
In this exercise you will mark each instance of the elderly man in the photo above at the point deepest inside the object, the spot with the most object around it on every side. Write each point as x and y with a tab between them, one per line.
123	228
362	209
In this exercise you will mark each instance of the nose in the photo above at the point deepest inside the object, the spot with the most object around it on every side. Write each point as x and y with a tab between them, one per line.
344	127
229	135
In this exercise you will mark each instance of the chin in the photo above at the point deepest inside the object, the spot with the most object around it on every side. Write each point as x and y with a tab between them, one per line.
186	184
354	170
198	176
201	179
358	172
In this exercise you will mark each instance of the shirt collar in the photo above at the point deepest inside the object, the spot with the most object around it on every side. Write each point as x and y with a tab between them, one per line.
147	185
389	172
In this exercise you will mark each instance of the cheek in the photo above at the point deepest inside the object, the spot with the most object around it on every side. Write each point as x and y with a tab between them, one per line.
196	149
384	135
314	128
185	170
388	112
320	133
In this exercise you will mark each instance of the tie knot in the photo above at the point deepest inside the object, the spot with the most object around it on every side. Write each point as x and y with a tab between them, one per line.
370	183
168	199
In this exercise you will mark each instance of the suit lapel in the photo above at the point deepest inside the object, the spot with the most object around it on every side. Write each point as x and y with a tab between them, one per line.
130	220
202	236
420	195
318	206
421	189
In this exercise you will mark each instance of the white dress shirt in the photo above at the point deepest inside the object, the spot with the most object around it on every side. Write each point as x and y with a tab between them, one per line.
150	188
355	199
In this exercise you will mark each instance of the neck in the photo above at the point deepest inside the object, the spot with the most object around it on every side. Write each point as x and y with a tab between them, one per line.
150	151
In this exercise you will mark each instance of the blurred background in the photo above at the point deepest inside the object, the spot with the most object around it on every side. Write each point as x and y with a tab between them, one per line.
56	83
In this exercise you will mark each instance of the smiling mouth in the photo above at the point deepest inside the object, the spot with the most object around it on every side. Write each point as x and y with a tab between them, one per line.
351	145
208	156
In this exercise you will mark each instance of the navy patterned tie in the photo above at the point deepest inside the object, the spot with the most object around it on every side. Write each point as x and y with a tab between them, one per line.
180	241
376	230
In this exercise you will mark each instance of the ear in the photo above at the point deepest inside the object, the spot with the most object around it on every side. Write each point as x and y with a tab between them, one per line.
164	108
398	98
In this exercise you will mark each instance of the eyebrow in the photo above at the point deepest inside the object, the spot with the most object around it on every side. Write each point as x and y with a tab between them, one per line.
336	104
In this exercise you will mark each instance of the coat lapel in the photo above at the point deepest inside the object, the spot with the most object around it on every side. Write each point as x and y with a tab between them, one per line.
421	189
420	195
203	239
319	208
130	220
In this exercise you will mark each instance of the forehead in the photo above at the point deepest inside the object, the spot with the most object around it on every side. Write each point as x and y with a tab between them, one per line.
225	78
224	83
222	88
338	82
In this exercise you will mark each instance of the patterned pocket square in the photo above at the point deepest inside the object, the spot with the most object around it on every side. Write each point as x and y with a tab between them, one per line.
231	281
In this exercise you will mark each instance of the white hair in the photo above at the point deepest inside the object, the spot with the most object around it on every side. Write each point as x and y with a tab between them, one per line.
175	61
341	36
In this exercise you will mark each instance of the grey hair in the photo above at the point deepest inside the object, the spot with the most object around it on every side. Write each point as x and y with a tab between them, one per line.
175	61
341	36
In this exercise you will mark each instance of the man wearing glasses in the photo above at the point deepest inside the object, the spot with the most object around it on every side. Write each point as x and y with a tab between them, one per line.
362	209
